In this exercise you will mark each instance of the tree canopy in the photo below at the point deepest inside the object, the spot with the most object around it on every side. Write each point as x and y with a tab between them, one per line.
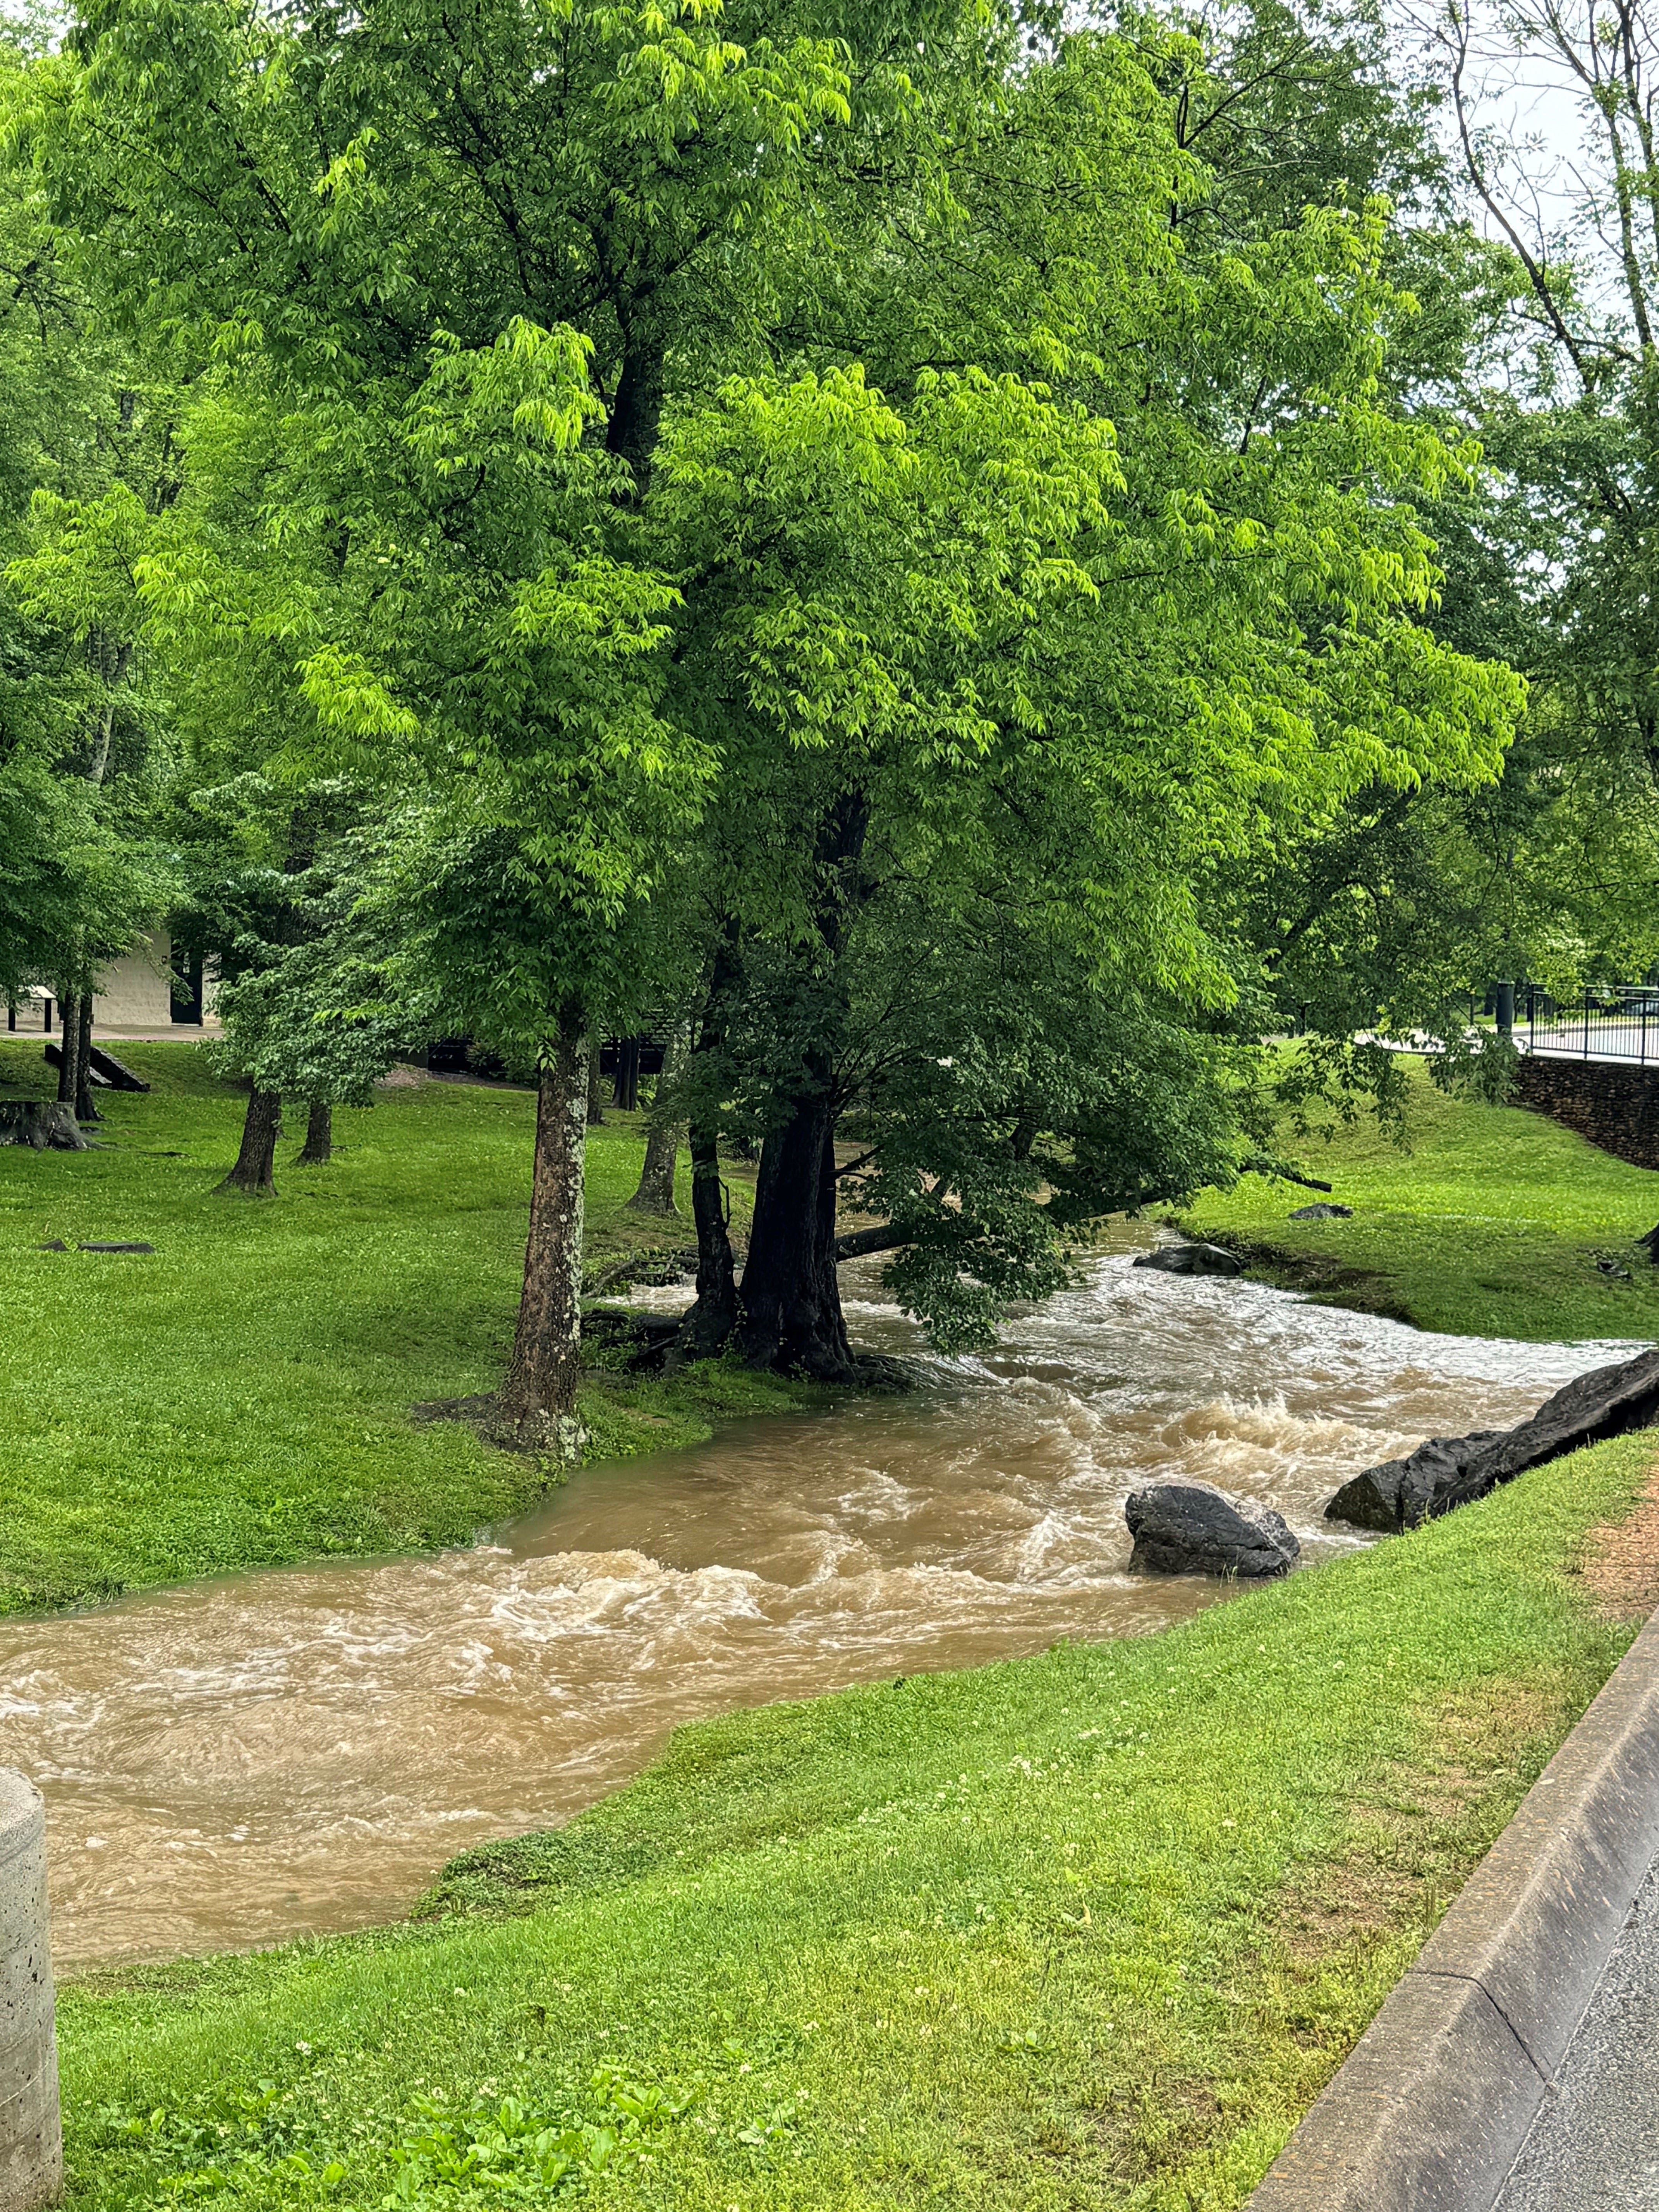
953	556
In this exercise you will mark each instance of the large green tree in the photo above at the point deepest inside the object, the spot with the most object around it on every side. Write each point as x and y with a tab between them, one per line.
83	759
1017	686
780	486
440	271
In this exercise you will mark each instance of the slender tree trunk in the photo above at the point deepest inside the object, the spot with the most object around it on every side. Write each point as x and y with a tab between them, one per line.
708	1325
537	1400
317	1149
595	1086
69	1049
86	1107
625	1095
253	1174
712	1316
656	1192
792	1317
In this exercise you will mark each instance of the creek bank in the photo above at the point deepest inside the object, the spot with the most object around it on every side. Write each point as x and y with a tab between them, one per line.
640	1341
405	1707
1447	1471
944	1889
1321	1275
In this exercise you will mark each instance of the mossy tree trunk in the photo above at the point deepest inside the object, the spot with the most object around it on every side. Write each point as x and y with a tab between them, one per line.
254	1175
708	1325
537	1402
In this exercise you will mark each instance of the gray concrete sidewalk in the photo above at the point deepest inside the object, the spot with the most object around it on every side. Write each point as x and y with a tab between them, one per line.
1594	2144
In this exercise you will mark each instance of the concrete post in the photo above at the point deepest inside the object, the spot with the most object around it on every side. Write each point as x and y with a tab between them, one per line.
31	2140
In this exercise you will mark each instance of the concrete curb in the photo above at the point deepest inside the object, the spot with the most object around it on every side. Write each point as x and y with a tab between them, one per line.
1435	2100
31	2140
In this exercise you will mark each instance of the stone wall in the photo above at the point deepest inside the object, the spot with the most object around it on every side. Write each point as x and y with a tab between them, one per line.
1616	1108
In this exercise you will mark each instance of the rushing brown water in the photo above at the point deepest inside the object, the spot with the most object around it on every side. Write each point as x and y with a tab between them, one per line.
240	1760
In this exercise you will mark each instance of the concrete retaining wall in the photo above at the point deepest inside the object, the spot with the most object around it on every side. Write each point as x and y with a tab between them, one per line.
1616	1108
31	2141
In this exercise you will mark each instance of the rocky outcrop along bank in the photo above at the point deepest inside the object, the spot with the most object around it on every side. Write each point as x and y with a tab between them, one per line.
1452	1471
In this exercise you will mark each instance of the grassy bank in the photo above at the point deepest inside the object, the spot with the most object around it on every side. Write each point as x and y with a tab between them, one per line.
241	1396
1491	1225
1089	1930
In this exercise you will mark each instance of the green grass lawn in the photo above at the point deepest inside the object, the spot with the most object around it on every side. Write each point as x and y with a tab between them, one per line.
1085	1931
1491	1223
241	1396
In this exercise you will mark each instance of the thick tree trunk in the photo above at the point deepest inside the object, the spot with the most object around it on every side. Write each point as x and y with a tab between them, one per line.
656	1192
792	1317
69	1051
537	1400
595	1087
317	1149
43	1124
85	1107
253	1174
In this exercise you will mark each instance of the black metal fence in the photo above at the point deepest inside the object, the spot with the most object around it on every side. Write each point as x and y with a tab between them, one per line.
1621	1024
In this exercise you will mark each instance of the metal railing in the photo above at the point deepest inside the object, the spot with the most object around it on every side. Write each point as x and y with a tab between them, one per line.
1621	1024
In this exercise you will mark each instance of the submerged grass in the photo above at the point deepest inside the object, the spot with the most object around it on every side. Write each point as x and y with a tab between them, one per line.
240	1397
1491	1223
1089	1930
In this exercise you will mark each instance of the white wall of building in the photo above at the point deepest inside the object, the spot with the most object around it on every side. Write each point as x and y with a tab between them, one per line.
133	993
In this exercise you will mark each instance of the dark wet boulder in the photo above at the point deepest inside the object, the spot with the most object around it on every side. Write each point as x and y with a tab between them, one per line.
1452	1471
1401	1493
1192	1259
1323	1212
1194	1528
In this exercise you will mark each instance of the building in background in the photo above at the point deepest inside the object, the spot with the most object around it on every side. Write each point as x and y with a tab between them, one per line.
134	992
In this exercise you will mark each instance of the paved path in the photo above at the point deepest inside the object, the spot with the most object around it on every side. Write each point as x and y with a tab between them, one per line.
1595	2146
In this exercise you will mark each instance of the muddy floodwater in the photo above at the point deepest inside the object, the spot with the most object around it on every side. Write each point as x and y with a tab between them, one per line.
244	1760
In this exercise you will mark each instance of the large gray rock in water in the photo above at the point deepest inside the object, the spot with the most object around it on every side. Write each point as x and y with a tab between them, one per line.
1192	1259
1451	1471
1194	1528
